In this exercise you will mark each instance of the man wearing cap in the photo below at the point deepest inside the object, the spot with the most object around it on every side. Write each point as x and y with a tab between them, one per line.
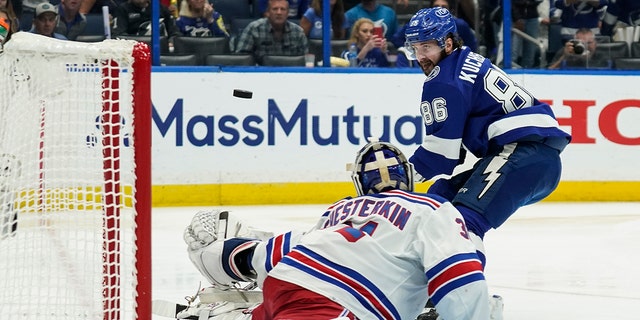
45	21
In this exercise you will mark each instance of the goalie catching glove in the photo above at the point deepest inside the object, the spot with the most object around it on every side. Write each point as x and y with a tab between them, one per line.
222	261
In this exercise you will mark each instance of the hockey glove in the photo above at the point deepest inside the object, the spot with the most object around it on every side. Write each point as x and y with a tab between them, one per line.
221	261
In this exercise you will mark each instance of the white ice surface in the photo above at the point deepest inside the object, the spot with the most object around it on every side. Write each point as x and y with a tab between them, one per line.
548	261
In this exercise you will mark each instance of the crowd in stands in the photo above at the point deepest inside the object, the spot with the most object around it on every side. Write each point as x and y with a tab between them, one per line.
545	33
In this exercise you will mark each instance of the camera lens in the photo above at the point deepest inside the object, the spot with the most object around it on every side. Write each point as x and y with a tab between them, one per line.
578	47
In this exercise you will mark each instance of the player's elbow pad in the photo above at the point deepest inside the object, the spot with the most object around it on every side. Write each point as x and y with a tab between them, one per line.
226	261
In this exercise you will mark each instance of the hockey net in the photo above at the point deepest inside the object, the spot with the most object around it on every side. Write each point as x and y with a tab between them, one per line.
74	179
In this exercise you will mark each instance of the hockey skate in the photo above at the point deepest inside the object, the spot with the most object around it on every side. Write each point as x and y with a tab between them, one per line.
429	312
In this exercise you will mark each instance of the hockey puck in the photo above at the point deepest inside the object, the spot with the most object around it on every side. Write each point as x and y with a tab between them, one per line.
244	94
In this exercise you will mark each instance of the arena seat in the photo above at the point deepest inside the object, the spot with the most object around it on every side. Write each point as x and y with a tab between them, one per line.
337	47
201	47
230	60
635	49
178	60
283	61
616	49
627	64
95	25
164	42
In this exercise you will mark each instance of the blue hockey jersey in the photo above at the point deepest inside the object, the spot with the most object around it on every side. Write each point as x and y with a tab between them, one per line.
627	11
467	102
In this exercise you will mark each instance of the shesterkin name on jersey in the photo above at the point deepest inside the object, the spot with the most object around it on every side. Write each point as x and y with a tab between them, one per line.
363	207
471	67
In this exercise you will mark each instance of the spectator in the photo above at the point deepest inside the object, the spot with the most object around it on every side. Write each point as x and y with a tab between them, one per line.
311	22
6	28
95	6
199	19
172	5
378	13
577	14
71	22
526	19
297	8
624	11
380	255
273	35
134	18
555	30
348	4
582	53
18	7
7	6
372	50
466	10
492	23
44	21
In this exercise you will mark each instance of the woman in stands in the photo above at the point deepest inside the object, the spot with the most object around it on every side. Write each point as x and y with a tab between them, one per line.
372	49
6	6
199	19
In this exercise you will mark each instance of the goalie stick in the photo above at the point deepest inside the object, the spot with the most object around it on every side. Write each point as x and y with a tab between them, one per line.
211	302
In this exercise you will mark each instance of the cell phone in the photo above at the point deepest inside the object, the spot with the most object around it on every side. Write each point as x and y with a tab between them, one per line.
377	31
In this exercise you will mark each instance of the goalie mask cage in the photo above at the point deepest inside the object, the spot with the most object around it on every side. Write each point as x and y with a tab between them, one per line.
75	122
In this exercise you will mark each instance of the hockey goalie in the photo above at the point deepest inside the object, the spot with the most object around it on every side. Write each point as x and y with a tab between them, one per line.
380	255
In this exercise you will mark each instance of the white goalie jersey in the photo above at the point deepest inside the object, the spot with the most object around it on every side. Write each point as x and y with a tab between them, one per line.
383	256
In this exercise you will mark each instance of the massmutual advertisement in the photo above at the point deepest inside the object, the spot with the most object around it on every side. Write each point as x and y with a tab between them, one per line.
291	141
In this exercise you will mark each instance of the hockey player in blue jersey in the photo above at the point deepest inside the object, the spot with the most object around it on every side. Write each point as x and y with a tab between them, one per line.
379	255
469	104
625	11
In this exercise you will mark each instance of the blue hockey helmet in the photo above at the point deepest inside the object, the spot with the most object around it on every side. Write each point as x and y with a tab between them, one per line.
380	166
430	24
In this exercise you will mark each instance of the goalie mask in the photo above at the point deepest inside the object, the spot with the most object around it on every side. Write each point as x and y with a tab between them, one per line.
379	167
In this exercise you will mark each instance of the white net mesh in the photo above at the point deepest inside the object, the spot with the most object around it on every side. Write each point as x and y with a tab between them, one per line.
67	243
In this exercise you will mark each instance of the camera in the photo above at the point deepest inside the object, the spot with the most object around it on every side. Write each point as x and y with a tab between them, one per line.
578	46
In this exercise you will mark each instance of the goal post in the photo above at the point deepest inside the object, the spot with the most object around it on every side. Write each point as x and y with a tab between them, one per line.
75	179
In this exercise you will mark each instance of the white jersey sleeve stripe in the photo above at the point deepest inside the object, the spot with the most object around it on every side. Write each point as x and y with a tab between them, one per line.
448	148
347	279
507	124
